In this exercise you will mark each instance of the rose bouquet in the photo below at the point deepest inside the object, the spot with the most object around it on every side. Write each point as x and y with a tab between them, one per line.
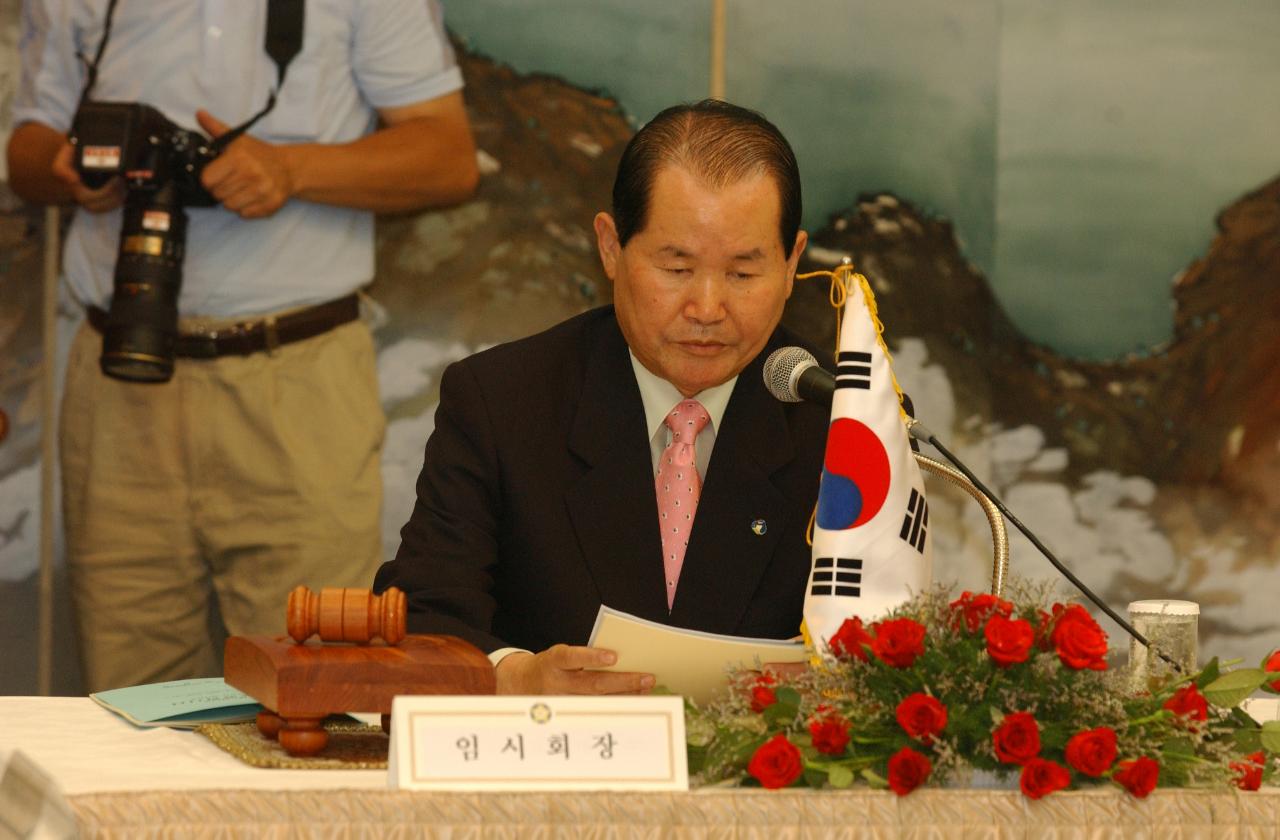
944	687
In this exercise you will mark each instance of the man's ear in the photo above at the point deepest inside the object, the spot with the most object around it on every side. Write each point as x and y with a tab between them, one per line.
607	243
793	261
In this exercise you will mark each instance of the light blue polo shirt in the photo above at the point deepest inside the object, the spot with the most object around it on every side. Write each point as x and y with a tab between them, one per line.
181	55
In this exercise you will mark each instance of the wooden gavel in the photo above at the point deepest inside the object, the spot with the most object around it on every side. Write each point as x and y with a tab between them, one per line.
346	615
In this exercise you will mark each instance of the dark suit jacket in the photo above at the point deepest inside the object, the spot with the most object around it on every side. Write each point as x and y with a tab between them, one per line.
536	501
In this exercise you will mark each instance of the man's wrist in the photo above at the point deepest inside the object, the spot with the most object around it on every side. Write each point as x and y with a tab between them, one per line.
294	160
508	670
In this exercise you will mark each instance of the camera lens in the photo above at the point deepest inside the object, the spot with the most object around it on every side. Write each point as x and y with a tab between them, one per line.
142	324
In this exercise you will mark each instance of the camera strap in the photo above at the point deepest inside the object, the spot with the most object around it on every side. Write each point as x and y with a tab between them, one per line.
91	67
282	43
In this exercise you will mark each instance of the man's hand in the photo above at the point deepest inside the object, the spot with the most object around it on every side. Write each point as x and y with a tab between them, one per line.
107	197
250	177
562	669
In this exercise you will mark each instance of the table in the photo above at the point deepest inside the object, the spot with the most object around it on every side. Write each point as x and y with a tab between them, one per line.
130	783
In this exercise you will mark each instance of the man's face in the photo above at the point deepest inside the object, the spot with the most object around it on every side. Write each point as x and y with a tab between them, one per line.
700	289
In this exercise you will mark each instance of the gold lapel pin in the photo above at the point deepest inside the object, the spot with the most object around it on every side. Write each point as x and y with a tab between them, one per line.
758	527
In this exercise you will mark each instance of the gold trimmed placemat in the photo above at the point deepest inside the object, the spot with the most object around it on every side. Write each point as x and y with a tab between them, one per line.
352	746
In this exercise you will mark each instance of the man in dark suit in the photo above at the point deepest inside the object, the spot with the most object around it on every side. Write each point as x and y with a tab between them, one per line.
631	456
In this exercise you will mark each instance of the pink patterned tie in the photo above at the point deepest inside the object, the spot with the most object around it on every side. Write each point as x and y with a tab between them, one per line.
679	487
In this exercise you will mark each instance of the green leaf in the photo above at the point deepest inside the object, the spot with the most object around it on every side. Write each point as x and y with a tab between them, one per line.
1174	775
780	714
814	778
1210	673
1229	689
873	779
788	696
697	758
1271	736
840	776
1247	740
1242	719
1178	748
734	748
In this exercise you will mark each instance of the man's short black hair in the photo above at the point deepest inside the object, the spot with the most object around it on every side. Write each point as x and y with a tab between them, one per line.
716	141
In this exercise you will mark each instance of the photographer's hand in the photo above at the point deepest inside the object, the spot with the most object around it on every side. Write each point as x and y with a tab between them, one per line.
105	198
250	177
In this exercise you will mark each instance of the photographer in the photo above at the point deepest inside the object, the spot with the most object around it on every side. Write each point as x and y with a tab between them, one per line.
249	463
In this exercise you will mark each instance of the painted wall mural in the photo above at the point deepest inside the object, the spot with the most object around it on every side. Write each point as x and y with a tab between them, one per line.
1019	182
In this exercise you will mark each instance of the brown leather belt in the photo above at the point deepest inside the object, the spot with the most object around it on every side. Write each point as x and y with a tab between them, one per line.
248	337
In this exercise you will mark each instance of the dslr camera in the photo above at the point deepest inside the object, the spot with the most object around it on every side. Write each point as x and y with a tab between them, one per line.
160	163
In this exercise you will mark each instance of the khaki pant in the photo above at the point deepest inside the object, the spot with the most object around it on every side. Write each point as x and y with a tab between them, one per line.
193	507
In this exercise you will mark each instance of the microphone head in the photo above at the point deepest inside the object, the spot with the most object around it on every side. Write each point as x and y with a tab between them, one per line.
782	371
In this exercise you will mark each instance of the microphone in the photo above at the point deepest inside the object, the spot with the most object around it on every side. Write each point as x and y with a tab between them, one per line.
792	374
921	432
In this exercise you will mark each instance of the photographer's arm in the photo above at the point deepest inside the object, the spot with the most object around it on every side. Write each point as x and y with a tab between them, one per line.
41	171
423	156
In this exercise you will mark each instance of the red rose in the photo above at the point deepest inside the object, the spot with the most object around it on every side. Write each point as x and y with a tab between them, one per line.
898	642
908	770
974	609
1080	642
1249	771
1138	775
776	763
762	696
1092	751
1188	702
1017	738
849	640
922	716
1273	664
830	734
1008	640
1041	777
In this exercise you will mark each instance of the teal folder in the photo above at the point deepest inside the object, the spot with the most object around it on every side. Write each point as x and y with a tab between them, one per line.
182	704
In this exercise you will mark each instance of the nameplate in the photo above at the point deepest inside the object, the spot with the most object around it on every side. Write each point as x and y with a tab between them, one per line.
538	743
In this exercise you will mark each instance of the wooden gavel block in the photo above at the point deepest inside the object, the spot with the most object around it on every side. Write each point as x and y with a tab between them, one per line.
300	681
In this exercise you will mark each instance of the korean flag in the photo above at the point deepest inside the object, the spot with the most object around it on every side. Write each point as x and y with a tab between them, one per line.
872	546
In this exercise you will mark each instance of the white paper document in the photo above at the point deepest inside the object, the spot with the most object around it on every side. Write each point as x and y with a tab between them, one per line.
688	662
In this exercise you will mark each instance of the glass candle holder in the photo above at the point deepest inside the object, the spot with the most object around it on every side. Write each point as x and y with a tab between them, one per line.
1172	627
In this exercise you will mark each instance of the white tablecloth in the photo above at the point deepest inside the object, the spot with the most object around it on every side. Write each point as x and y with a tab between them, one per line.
87	749
125	782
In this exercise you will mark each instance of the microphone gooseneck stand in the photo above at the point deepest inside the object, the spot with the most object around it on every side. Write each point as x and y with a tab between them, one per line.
921	432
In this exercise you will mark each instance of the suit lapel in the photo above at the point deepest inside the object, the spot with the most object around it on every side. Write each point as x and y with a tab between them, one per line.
612	507
726	556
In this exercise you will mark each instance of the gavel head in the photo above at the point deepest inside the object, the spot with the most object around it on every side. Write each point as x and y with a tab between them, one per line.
346	615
